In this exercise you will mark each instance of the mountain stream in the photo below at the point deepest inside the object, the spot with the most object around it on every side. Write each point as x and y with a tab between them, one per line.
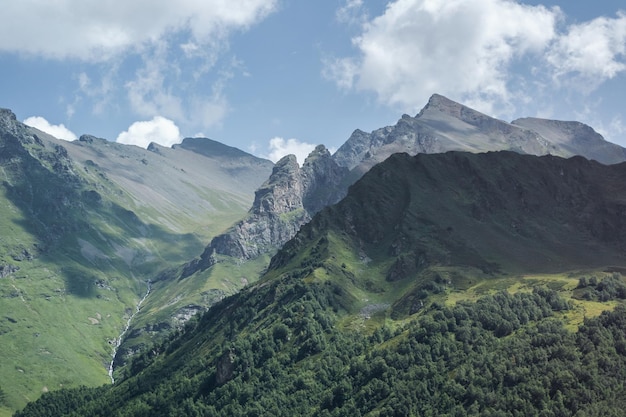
120	339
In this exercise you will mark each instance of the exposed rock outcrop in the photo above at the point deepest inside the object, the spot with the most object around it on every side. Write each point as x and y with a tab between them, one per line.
286	201
225	368
8	269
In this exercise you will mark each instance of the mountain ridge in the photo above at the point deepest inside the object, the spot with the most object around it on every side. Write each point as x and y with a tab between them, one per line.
457	195
444	125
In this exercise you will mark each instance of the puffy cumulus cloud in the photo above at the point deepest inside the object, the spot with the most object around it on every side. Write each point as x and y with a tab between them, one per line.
98	30
461	48
280	147
490	54
591	52
58	131
159	130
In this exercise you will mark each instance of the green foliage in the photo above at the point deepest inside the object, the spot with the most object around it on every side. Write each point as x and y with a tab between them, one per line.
609	288
275	349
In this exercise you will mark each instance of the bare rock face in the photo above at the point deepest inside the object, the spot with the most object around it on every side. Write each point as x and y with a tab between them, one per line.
321	177
225	368
276	215
8	269
577	138
286	201
282	193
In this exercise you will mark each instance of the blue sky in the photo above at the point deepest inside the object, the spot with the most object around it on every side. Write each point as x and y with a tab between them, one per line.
274	76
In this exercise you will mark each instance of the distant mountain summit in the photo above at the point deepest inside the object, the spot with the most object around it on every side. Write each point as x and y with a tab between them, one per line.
444	125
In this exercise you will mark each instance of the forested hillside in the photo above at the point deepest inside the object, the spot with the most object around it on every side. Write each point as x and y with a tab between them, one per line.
281	350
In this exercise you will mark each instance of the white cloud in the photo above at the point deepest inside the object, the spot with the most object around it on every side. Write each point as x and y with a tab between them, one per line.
490	54
591	52
460	48
159	130
159	54
164	86
98	30
98	91
352	12
280	147
58	131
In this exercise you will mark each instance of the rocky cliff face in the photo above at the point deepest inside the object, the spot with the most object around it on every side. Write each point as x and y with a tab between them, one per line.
289	198
321	177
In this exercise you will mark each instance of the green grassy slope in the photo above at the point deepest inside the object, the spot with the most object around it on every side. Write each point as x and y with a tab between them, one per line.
83	226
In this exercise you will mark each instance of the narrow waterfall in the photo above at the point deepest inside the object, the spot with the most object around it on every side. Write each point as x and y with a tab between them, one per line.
120	338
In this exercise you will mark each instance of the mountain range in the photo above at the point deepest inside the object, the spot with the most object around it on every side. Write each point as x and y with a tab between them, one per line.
99	238
388	304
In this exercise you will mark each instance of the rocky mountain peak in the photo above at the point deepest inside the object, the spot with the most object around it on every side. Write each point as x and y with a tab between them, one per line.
7	114
286	201
320	151
445	125
10	125
443	104
91	139
447	107
282	192
321	179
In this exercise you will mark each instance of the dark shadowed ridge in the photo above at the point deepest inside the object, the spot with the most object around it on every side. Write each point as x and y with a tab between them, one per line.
497	211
